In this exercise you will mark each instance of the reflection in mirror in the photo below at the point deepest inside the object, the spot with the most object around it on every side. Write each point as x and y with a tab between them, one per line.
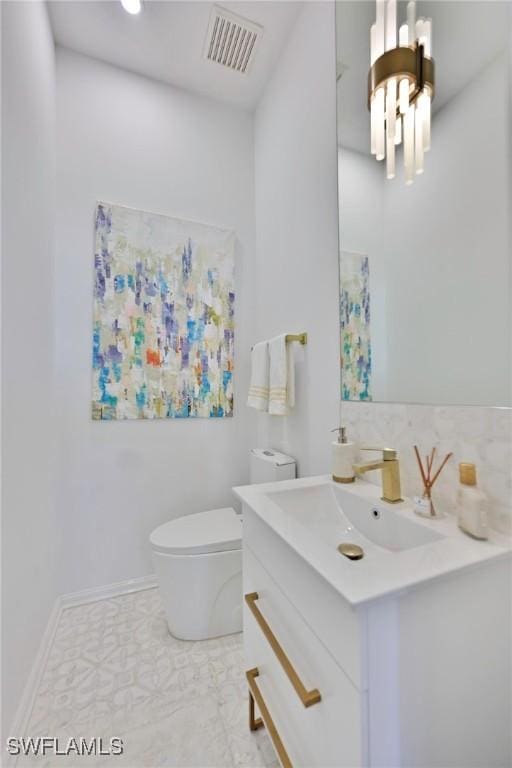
425	267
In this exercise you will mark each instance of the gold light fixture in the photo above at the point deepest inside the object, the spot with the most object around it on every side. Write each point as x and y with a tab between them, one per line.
400	87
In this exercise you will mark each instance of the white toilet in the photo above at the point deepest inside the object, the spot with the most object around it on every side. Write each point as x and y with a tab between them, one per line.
198	561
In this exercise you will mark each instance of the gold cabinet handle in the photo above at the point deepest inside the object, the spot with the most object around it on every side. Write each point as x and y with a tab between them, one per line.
307	697
255	695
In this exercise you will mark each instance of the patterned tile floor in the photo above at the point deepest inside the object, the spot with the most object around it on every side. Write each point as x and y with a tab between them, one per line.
114	670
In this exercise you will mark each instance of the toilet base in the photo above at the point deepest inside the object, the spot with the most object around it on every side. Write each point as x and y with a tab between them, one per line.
202	594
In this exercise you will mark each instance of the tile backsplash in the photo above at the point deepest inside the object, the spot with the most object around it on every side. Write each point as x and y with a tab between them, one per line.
476	434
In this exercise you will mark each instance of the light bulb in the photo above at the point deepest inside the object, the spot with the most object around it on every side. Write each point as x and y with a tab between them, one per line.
411	21
390	157
379	28
380	125
409	145
403	35
373	126
418	137
398	130
132	6
427	31
403	95
391	25
373	44
391	108
426	118
421	33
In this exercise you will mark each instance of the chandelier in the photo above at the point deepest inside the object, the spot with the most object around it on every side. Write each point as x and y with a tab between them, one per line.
400	88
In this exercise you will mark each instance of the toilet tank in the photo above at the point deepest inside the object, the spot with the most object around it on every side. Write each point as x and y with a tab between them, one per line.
268	466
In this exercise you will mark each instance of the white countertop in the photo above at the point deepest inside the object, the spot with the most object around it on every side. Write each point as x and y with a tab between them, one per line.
381	572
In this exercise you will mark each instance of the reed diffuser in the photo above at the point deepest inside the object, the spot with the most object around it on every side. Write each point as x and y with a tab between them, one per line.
426	507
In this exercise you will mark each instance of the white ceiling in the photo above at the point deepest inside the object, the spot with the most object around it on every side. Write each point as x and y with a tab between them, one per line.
467	35
165	41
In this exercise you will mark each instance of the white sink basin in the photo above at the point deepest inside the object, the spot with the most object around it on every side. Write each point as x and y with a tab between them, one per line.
314	515
337	516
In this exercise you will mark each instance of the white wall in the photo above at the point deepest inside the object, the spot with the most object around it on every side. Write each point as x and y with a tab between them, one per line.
296	225
126	139
29	528
439	255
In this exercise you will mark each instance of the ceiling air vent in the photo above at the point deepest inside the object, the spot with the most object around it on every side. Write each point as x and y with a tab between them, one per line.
231	40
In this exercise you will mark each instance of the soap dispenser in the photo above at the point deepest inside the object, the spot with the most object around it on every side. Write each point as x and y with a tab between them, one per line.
343	457
471	504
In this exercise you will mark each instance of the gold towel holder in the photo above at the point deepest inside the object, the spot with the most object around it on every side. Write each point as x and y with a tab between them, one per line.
301	338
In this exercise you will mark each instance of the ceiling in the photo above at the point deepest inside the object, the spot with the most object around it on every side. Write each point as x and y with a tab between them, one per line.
466	36
165	42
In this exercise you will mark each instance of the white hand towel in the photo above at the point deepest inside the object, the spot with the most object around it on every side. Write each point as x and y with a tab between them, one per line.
282	376
258	389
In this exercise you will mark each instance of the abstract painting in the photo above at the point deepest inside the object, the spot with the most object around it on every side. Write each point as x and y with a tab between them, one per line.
356	348
163	335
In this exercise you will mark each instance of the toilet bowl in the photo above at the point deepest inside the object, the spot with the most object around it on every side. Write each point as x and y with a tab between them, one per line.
198	561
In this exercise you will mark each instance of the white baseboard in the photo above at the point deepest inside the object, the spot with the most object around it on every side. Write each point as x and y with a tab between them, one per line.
109	590
24	710
70	600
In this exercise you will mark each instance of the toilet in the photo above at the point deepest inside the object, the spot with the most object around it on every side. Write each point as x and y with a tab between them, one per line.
198	560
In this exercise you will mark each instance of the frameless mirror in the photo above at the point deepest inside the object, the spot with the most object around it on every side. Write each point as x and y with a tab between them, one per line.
425	267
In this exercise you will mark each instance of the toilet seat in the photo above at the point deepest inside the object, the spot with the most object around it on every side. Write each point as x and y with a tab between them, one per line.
216	530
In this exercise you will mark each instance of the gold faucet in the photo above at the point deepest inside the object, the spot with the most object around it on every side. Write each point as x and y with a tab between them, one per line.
391	490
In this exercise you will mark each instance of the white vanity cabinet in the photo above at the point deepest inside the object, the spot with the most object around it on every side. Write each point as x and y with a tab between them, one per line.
416	678
315	734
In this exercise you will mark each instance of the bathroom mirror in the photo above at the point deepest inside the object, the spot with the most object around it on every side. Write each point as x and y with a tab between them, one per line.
425	267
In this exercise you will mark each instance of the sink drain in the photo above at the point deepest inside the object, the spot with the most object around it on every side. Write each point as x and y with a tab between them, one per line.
352	551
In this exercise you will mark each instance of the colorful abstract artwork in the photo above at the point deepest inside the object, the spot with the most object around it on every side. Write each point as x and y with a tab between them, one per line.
163	335
356	348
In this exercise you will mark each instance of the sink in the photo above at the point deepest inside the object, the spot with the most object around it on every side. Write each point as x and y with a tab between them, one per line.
381	639
335	515
315	515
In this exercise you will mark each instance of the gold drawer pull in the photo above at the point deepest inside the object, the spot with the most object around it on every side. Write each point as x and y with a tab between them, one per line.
254	724
307	697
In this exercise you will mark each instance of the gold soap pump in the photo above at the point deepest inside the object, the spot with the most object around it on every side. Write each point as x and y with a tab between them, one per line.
343	456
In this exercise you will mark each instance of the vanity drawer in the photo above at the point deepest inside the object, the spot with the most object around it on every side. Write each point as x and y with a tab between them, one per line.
326	733
339	627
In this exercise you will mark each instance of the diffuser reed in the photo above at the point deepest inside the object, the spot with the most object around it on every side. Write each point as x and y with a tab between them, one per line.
429	477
